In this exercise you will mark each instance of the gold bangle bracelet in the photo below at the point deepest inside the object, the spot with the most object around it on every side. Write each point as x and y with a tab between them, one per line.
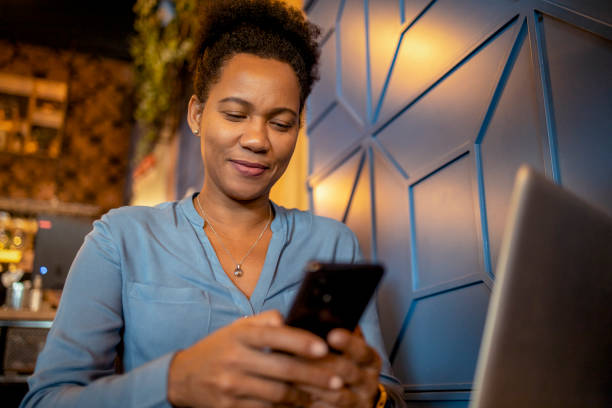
382	396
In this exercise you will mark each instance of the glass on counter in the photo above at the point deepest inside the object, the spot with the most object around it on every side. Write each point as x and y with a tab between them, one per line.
17	260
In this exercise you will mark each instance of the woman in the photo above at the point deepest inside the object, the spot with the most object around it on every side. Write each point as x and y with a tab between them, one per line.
168	285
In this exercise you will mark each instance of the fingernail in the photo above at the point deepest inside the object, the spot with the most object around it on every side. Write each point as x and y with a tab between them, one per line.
318	349
335	336
335	382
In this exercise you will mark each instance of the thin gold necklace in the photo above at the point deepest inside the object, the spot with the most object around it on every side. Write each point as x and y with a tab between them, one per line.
238	271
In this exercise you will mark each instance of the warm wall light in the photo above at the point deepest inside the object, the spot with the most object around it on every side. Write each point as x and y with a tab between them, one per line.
427	51
420	50
324	196
331	196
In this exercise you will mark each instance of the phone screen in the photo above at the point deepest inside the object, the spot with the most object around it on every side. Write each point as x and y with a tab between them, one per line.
333	296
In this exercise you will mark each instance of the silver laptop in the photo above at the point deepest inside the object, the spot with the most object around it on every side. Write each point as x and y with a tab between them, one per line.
548	336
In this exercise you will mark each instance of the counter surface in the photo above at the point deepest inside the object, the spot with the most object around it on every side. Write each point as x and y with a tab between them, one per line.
44	314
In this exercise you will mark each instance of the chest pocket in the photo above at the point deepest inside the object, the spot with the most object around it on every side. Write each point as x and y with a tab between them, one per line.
161	319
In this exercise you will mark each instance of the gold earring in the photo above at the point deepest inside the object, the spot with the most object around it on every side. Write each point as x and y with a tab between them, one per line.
196	132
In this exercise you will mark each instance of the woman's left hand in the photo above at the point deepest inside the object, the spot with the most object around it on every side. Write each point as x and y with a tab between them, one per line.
358	365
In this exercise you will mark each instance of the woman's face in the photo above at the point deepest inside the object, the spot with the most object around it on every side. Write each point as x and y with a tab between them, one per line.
248	126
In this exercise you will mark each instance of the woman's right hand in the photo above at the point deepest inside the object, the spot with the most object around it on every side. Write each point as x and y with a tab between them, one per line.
234	367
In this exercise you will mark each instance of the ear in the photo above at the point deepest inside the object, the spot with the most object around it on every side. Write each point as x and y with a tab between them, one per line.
194	114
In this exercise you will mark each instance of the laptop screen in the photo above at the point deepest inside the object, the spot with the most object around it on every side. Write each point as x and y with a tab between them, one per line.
548	334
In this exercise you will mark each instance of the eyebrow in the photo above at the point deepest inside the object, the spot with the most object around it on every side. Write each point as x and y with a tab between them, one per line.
249	105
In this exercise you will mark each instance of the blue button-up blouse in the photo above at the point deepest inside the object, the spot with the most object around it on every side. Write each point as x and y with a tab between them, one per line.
148	278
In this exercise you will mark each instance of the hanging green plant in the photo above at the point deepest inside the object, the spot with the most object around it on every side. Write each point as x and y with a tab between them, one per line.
160	50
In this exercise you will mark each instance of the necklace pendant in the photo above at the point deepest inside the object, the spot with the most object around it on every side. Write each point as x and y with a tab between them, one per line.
238	272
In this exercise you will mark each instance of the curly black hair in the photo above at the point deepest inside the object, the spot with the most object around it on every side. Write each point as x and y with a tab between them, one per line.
266	28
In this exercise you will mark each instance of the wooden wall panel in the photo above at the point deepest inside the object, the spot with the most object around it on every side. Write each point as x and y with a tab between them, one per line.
93	165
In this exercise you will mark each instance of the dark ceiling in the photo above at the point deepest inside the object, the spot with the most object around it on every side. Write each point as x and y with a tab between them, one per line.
99	27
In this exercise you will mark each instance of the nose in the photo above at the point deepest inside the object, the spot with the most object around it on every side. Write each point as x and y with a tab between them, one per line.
255	137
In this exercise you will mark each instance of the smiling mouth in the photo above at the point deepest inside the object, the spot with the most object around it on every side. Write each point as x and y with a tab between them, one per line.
249	169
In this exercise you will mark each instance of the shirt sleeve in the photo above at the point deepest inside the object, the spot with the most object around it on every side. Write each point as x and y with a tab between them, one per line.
76	367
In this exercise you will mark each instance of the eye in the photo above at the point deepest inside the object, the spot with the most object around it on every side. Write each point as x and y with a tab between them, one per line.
234	116
281	126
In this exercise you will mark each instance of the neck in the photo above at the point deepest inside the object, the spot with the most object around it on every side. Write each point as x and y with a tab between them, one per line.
233	215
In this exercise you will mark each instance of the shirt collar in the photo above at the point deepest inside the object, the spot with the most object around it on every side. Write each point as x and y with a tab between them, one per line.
186	204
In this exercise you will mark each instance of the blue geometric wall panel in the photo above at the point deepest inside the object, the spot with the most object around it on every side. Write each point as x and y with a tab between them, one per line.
583	136
595	9
352	45
440	344
359	213
385	20
324	92
324	14
331	137
443	211
412	9
425	110
510	137
392	233
434	43
331	195
450	113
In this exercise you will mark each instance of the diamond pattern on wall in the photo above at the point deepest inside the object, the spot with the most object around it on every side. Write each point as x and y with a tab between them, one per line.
324	92
332	194
385	21
352	45
451	113
393	245
434	44
359	213
331	138
510	138
444	211
583	154
440	345
476	88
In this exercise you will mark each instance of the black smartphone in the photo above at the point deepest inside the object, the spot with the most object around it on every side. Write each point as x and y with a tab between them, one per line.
333	296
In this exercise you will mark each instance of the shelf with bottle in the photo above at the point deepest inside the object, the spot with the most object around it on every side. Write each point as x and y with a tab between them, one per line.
32	115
